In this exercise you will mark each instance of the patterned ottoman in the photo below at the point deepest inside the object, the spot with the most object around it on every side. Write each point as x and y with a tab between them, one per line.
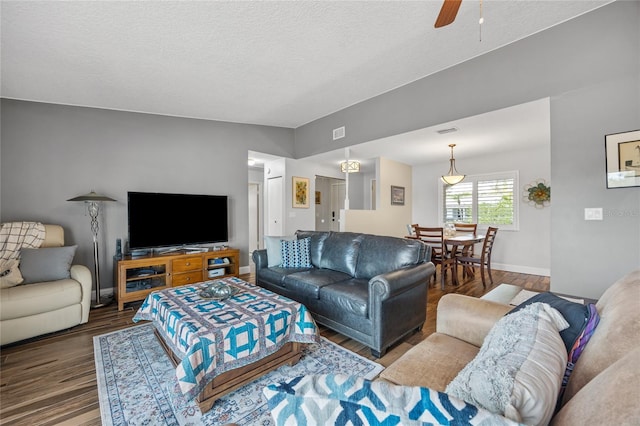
218	346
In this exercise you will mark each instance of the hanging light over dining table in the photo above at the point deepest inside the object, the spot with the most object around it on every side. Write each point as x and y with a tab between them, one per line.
453	177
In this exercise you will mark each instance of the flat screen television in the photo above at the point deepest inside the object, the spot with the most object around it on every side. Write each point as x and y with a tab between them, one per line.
167	220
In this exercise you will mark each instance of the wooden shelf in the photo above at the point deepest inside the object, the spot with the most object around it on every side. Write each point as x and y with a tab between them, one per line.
137	277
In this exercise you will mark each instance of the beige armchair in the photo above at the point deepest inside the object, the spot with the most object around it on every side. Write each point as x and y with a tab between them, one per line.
29	310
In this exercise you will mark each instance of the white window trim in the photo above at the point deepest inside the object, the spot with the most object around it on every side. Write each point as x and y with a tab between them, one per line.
515	174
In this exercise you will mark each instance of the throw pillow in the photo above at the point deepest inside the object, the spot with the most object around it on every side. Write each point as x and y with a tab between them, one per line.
582	320
274	251
336	399
519	368
9	273
295	254
46	264
576	315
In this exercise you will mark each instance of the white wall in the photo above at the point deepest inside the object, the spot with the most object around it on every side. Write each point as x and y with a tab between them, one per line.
297	218
387	219
589	67
525	250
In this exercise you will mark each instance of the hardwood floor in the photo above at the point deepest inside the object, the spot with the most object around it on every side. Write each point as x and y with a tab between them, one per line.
51	380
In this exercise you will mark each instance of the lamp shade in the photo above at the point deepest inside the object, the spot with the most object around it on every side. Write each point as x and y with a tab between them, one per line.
91	196
453	176
452	179
350	166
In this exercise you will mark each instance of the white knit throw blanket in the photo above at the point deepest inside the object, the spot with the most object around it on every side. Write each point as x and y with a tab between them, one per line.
15	236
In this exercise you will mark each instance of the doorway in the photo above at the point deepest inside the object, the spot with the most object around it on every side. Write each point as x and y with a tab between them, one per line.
329	199
274	206
255	219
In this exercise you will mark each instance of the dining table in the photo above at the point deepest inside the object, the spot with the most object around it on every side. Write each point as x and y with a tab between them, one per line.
465	240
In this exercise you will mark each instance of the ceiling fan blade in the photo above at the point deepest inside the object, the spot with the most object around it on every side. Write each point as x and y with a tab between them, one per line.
448	12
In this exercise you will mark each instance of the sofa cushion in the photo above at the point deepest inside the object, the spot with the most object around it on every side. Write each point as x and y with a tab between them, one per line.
274	249
350	400
582	320
10	275
316	245
340	252
617	333
277	274
610	398
380	254
519	368
309	282
32	299
430	363
295	253
46	264
351	296
576	314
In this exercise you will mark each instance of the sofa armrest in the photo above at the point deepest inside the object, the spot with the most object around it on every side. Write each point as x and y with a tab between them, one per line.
386	286
82	274
260	258
468	318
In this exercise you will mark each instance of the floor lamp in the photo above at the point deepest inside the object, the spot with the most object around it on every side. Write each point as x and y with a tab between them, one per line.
93	206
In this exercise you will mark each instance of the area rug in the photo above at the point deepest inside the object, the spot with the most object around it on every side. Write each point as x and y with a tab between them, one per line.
137	383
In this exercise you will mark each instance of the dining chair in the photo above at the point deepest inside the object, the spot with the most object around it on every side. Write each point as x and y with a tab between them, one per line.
411	229
440	255
466	228
484	261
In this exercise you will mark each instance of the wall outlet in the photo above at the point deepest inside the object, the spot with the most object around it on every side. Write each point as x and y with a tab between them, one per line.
593	213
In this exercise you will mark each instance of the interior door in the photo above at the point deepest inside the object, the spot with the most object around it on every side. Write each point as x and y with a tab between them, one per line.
373	194
255	227
338	195
274	206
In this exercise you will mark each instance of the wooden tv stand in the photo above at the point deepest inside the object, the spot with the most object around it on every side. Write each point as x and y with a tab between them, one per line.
139	276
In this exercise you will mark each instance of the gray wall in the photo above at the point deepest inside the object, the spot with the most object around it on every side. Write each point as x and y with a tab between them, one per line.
590	68
51	153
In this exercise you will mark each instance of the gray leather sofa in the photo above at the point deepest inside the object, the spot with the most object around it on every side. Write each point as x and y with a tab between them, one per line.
370	288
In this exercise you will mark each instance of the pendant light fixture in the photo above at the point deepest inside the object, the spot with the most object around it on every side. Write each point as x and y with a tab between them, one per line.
350	166
453	176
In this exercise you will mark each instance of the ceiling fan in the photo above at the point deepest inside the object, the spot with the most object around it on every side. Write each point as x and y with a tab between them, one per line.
448	12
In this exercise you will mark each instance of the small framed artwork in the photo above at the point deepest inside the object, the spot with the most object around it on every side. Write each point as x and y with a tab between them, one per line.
318	197
623	159
397	195
300	194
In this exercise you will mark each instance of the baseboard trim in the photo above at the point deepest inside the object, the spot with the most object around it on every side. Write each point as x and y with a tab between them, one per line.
545	272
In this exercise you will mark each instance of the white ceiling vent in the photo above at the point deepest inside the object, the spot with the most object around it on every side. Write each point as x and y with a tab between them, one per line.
445	131
338	133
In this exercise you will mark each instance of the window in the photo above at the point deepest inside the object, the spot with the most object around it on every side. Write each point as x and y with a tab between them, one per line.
488	200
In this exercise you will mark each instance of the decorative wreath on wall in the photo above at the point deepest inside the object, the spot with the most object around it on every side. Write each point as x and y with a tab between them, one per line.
538	194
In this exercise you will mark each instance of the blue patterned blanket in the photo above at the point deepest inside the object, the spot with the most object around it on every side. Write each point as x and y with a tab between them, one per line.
211	337
338	399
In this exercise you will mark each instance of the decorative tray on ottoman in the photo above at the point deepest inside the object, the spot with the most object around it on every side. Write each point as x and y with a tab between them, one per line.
217	290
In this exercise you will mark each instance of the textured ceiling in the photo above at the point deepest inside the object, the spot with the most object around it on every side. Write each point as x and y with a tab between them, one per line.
273	63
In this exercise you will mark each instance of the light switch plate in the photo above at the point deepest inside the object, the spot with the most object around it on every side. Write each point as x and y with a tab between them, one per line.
593	213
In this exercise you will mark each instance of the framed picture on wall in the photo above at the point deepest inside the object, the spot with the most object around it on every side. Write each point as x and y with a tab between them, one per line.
318	197
300	194
623	159
397	195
